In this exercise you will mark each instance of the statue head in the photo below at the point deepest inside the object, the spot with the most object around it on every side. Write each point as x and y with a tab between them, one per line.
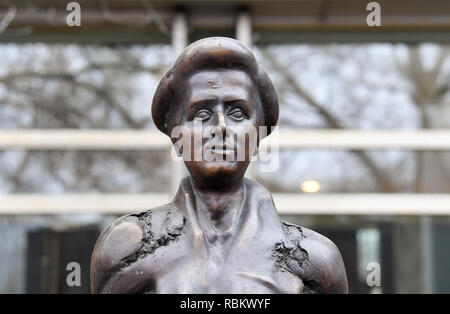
216	98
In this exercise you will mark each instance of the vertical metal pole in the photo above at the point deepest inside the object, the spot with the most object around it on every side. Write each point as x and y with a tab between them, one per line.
427	253
179	32
244	35
244	27
179	42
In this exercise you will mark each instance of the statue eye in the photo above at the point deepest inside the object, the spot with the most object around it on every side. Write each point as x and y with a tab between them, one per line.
237	114
202	115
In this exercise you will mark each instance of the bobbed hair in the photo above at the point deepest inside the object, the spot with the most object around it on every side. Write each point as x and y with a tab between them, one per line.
205	55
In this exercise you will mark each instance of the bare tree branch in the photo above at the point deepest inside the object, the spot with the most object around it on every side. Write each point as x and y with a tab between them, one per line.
425	91
382	180
7	19
101	92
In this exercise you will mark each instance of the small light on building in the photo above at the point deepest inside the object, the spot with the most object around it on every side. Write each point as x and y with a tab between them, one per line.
310	186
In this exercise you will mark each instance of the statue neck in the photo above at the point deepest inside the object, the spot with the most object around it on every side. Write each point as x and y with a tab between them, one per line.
219	206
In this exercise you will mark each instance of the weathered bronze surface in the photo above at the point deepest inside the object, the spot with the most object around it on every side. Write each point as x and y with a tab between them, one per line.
221	233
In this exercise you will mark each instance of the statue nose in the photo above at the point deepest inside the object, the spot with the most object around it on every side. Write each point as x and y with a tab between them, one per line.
221	124
221	129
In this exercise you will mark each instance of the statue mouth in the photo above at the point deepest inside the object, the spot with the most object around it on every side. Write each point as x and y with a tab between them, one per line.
223	150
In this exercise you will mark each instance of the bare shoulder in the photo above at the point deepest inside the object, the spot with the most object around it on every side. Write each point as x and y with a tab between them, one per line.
122	241
318	261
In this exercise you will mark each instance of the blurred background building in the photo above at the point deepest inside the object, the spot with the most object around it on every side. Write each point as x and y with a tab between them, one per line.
364	128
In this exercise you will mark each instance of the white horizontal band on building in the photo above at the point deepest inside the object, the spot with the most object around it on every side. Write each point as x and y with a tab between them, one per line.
37	139
287	204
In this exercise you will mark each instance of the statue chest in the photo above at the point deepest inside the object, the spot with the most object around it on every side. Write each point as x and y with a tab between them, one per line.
245	268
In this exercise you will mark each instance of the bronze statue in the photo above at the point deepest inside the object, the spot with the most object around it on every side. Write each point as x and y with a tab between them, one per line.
221	233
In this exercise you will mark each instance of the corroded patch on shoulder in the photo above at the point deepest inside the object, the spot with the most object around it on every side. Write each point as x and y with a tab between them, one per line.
289	254
291	257
172	227
131	238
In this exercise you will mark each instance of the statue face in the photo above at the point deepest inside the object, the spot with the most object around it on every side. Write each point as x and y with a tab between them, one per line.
226	105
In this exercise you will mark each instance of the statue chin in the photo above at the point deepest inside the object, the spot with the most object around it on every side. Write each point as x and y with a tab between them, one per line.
222	170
